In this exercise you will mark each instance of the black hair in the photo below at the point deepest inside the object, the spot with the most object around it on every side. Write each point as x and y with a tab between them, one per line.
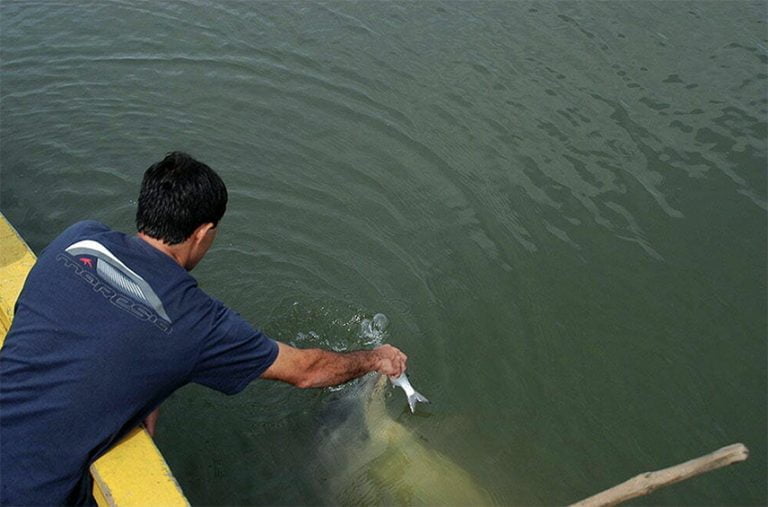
178	195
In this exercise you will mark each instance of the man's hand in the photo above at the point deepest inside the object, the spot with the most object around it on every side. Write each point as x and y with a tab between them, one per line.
150	422
390	361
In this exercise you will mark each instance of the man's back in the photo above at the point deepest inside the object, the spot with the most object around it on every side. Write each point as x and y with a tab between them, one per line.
105	329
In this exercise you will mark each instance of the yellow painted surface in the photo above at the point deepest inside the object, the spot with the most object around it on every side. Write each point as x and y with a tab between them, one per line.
16	259
133	472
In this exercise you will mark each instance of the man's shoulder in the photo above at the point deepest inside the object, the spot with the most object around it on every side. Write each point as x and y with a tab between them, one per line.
86	226
84	229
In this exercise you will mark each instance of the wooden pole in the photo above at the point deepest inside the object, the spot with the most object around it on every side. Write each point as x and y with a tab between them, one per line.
649	482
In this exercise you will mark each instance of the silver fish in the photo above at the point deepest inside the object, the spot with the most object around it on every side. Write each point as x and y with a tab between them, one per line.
411	393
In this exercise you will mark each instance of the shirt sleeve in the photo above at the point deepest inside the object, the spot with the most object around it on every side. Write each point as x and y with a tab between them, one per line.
233	353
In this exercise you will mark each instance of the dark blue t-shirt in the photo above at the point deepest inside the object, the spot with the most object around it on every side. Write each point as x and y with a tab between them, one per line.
105	329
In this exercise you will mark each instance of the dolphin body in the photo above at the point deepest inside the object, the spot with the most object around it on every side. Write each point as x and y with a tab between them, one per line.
367	458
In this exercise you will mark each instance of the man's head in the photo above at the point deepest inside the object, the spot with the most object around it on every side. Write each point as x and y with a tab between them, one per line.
178	195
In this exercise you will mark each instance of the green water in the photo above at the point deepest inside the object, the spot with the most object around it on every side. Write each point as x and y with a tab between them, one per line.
560	207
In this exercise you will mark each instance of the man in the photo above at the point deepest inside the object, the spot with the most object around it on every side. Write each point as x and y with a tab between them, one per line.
109	325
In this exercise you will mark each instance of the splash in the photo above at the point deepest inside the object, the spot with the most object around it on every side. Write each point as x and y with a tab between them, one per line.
342	334
373	331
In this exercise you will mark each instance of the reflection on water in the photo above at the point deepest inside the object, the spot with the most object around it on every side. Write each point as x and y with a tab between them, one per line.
557	210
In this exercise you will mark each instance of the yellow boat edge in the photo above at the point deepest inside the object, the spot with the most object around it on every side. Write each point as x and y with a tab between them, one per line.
16	259
133	471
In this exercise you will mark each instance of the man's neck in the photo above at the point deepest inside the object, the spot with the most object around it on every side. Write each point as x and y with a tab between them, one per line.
176	252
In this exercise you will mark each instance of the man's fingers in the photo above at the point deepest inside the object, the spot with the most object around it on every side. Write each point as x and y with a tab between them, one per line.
392	361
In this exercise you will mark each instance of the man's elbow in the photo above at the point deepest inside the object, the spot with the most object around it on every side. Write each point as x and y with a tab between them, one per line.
304	376
308	380
309	372
296	367
305	384
300	380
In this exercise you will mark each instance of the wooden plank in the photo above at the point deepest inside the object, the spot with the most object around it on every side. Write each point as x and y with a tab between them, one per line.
647	483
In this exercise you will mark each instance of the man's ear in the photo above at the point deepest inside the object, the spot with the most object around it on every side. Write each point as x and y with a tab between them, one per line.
201	231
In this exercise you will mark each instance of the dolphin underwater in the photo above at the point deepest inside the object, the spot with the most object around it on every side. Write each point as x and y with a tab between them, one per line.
367	458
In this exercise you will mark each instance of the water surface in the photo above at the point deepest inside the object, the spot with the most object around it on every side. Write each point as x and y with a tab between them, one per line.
560	207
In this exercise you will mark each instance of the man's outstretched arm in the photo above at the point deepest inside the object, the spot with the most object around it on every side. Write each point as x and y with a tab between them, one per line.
322	368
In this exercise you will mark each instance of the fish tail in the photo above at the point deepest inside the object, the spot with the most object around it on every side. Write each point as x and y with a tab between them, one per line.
415	398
